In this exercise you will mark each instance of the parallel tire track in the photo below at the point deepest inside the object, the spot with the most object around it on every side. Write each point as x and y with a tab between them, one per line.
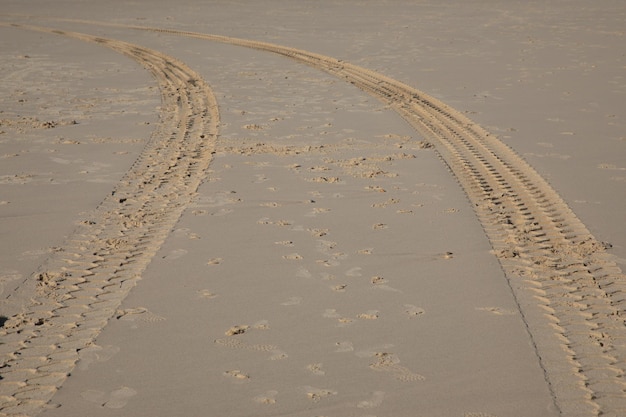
572	295
570	292
79	289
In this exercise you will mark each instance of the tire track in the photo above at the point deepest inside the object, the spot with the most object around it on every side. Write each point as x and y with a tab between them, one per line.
570	292
78	289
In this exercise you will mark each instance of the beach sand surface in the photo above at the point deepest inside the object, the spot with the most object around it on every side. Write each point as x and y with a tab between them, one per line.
193	227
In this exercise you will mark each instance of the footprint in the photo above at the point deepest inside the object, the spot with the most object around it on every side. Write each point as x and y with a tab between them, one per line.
328	262
269	397
319	210
261	325
354	272
214	261
292	301
340	288
378	280
239	329
369	315
293	257
116	399
316	394
375	401
220	212
260	178
233	343
344	321
285	243
119	398
138	313
413	311
316	369
389	362
343	347
498	311
379	284
94	396
331	313
318	232
278	355
237	375
175	254
303	273
95	353
380	226
325	246
206	294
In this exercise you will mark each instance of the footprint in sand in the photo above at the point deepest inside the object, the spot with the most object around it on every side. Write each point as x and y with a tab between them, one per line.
354	272
267	398
325	246
389	362
378	280
498	311
206	294
375	400
292	301
278	355
260	178
95	353
343	347
369	315
138	314
233	343
175	254
239	329
116	399
380	283
318	232
331	313
413	311
317	394
340	288
328	262
303	273
214	261
316	369
220	212
237	375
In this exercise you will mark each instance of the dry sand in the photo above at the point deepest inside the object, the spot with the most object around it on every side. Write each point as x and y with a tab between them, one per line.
196	225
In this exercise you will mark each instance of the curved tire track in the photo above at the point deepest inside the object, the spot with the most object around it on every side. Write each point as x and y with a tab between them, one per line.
79	289
570	292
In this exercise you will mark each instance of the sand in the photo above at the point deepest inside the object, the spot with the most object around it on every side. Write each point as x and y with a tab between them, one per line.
312	209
